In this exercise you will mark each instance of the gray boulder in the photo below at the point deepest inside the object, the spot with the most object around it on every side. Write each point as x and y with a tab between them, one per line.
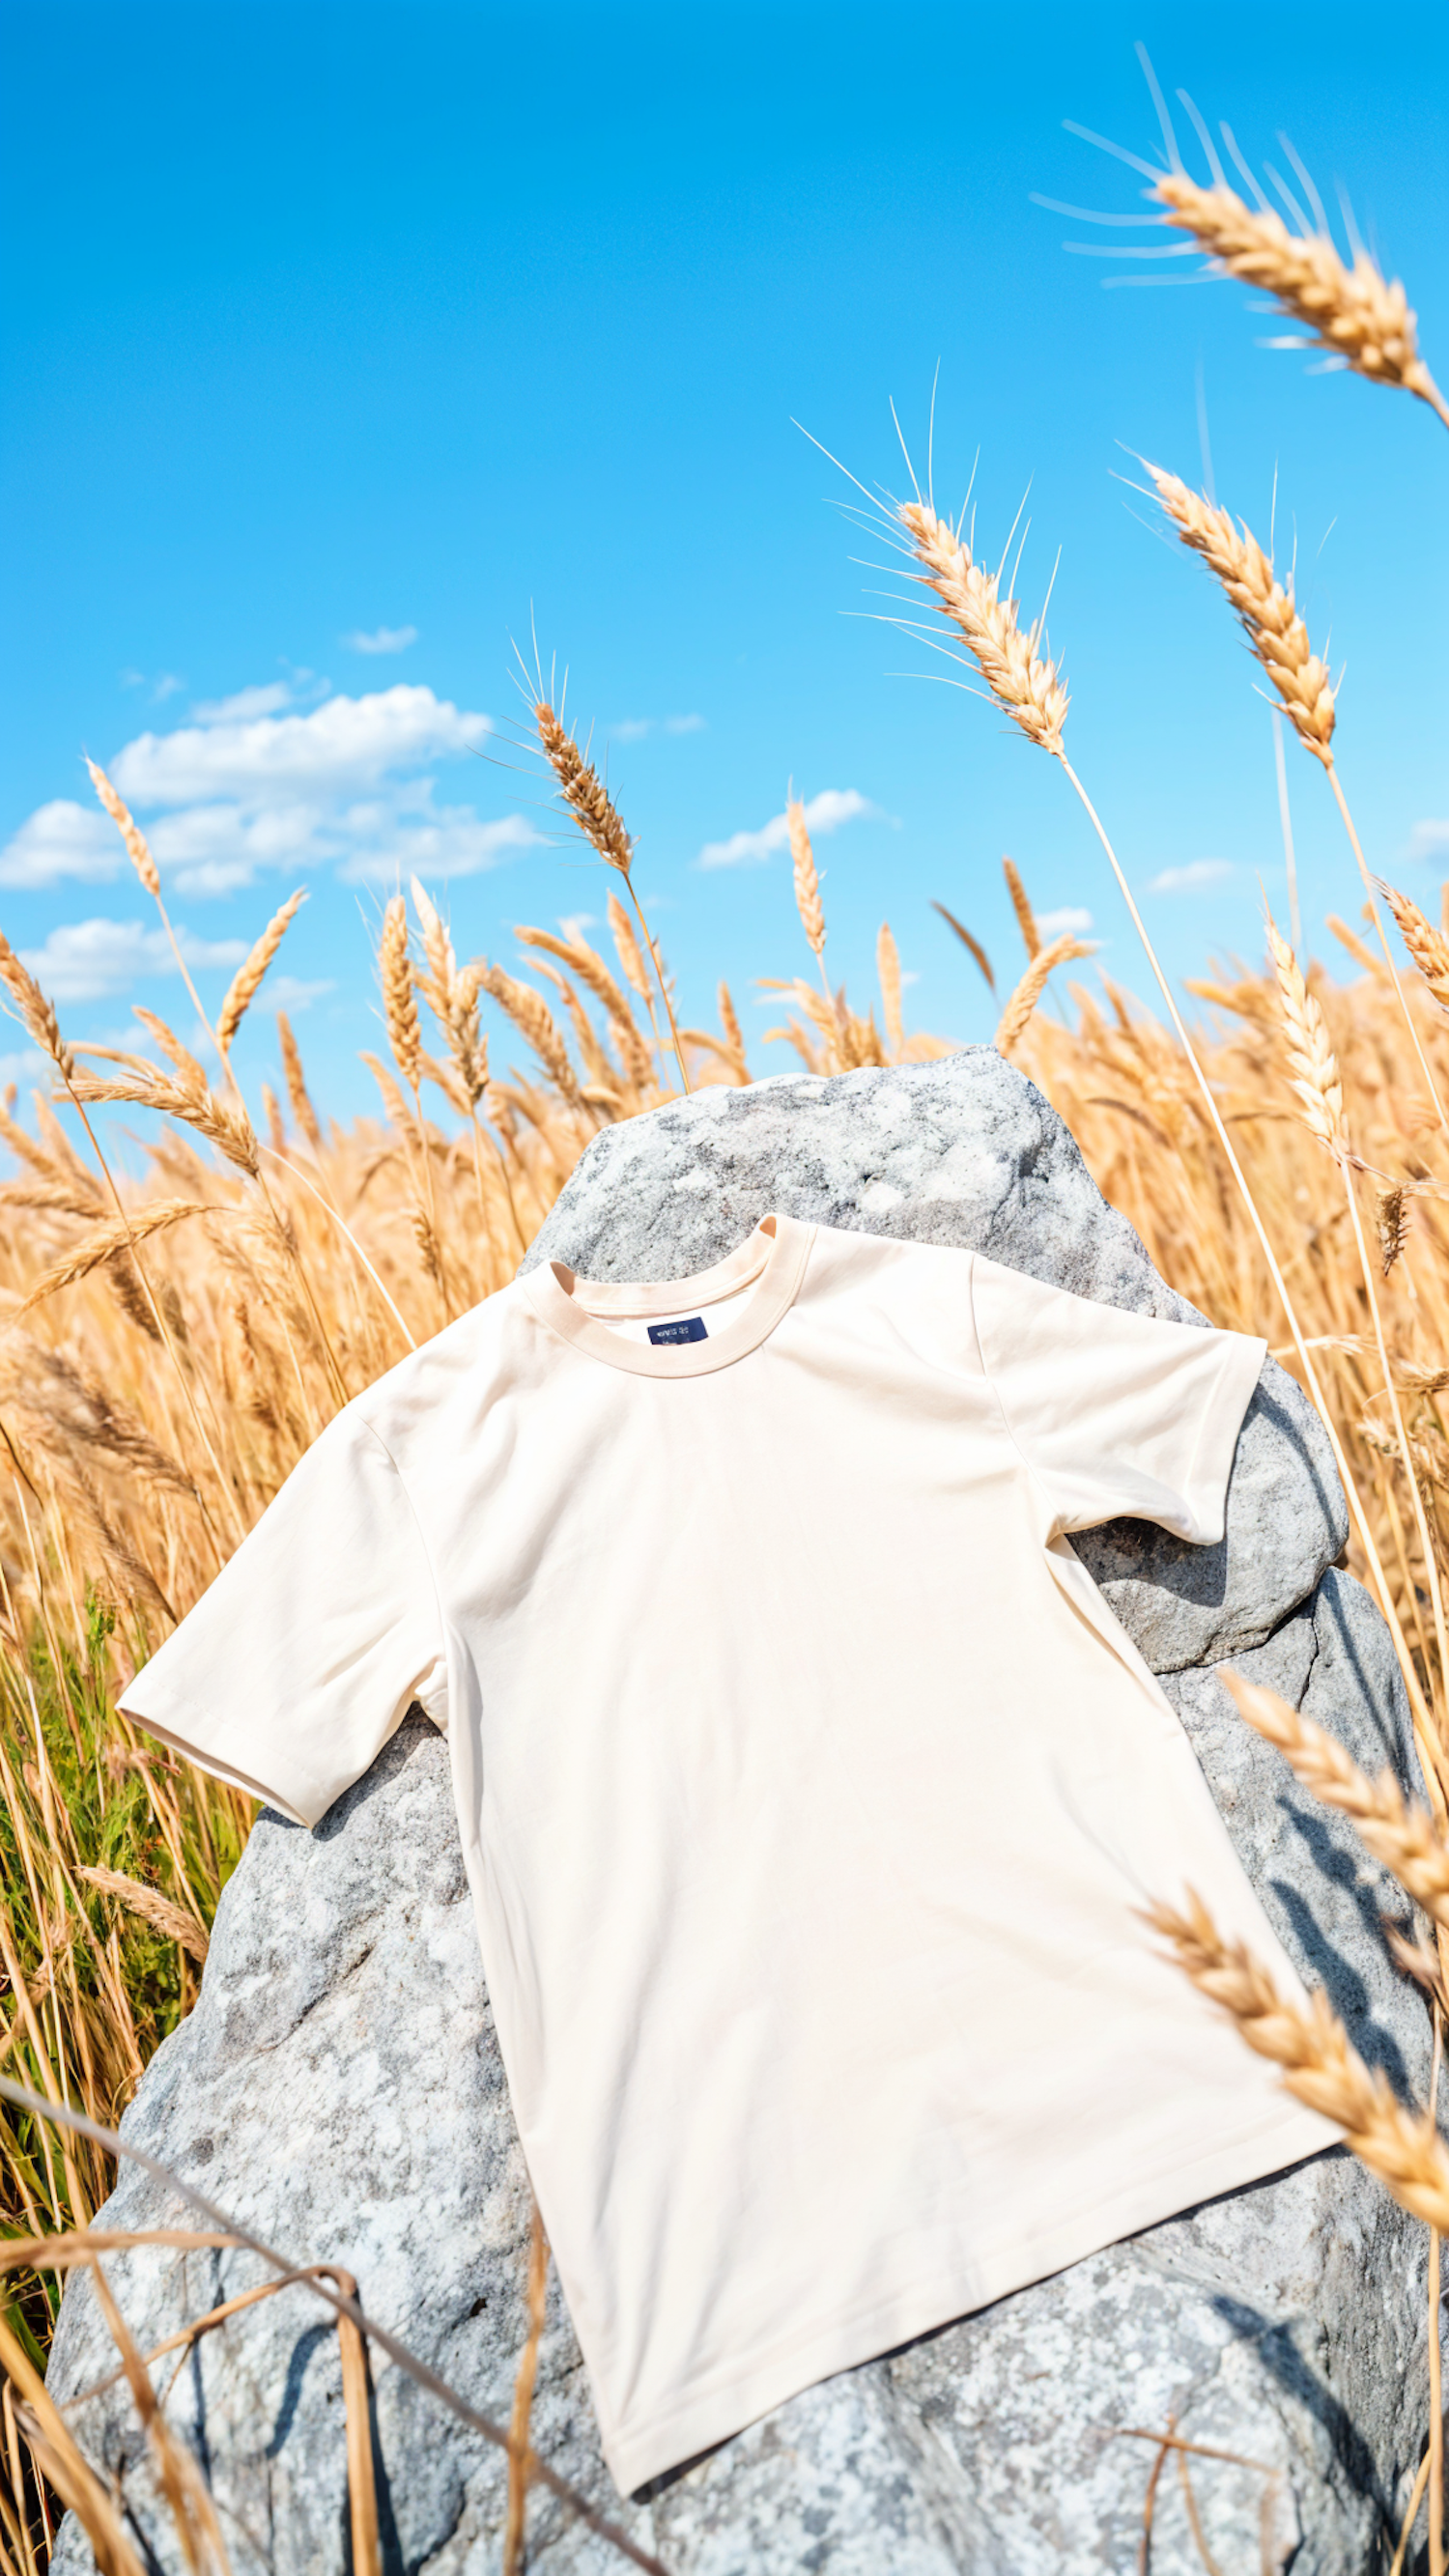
338	2087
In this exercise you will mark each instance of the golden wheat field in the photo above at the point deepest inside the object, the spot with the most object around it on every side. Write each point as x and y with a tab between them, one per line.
172	1345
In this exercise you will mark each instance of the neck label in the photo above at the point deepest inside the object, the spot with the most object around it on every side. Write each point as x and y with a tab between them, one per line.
690	1330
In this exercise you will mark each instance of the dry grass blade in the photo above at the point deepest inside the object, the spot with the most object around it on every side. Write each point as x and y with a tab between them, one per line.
1033	984
1320	2066
64	2464
192	2512
152	1907
1020	678
1404	1838
1265	606
131	833
37	1015
356	2401
968	941
1353	312
1428	947
103	1243
520	2457
1309	1047
245	983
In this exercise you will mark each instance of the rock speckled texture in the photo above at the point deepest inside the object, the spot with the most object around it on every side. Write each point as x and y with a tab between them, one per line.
339	2088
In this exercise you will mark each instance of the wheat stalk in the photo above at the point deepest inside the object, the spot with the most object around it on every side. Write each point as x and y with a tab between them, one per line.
1029	991
1021	680
152	1907
1391	1220
115	1234
599	820
1320	2065
241	992
1309	1048
1428	947
1353	312
530	1013
1265	606
296	1081
138	849
399	1001
37	1014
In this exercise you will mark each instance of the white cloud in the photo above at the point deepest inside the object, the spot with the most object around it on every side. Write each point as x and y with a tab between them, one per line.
383	639
342	746
254	784
243	704
638	728
1067	916
167	686
431	842
823	813
1195	878
1429	840
291	993
82	960
29	1065
62	839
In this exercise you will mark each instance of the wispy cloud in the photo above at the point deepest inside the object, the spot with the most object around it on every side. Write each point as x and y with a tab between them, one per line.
61	840
254	783
1429	840
28	1065
639	728
1067	916
383	639
1195	878
291	993
81	961
823	813
244	704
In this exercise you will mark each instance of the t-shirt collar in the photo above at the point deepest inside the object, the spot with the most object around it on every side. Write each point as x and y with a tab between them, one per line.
770	1262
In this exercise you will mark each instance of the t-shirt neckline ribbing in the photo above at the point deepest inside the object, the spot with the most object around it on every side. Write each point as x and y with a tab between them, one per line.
772	1257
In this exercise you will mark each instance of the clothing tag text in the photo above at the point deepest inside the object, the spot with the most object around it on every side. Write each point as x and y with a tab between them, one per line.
691	1330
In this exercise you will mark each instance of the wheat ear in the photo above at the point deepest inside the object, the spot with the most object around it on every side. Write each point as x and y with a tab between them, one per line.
1391	1222
1032	986
1279	638
1021	906
1265	605
1026	688
530	1013
36	1011
1320	2065
1309	1048
241	992
601	824
1354	312
296	1081
1428	947
1020	678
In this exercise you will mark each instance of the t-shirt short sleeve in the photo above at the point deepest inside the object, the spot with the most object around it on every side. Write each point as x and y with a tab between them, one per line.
292	1671
1115	1412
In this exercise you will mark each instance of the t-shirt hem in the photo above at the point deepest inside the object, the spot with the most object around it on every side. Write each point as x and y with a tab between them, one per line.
305	1802
844	2342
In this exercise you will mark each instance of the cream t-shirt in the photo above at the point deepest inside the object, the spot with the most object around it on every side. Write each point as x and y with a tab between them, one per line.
807	1786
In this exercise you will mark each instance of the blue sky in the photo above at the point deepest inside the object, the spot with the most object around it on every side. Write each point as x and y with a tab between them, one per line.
341	342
